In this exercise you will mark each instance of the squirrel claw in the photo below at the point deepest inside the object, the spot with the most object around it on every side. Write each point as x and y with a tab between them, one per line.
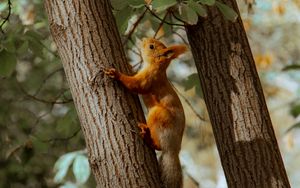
112	73
143	129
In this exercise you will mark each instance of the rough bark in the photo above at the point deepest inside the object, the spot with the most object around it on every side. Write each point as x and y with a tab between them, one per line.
87	40
241	123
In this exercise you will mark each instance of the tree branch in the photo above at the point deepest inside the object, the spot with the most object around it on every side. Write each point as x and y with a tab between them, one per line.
188	103
42	100
46	78
60	139
134	27
7	17
178	18
156	16
161	23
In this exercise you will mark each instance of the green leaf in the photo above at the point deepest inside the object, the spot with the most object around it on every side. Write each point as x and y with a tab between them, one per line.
190	82
198	90
295	110
23	48
297	125
119	4
39	145
34	35
136	3
193	81
40	25
291	67
68	123
10	44
201	11
122	18
35	45
3	6
62	165
207	2
69	185
36	48
8	63
160	5
188	15
228	12
81	169
167	28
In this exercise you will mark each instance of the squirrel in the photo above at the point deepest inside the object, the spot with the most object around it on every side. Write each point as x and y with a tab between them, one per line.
165	121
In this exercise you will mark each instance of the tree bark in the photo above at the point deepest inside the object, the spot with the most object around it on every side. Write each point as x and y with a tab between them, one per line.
241	123
86	35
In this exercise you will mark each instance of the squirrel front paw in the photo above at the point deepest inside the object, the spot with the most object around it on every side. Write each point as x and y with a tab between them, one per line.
143	129
112	73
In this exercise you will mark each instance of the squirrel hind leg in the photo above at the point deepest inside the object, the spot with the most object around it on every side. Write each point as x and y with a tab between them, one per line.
149	136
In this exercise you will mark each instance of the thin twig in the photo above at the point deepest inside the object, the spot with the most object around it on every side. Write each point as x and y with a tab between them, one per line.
188	103
48	49
134	27
135	45
156	16
38	119
46	78
193	179
49	102
178	18
138	54
181	37
60	139
176	33
161	24
135	52
138	65
42	100
7	17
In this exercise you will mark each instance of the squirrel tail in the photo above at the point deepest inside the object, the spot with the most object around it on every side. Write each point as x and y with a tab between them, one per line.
171	172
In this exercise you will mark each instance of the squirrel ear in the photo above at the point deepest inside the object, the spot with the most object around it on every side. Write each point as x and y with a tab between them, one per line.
173	51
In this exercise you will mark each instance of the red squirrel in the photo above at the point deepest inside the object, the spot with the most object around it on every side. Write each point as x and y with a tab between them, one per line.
165	121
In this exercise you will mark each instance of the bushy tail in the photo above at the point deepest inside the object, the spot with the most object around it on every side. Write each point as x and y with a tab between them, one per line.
171	173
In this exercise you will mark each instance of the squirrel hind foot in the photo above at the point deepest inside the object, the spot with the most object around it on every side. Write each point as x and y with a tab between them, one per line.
147	137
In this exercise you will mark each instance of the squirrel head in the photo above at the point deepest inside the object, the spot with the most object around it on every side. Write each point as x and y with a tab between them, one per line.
153	50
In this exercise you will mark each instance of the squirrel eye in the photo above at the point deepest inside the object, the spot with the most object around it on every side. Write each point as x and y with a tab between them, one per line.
151	46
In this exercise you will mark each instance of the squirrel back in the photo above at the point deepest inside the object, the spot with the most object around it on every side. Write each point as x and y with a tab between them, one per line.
157	58
165	121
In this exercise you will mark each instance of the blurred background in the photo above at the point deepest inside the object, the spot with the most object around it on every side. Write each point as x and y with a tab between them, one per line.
40	138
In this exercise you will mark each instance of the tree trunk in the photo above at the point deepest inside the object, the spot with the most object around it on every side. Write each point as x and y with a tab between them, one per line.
86	35
241	123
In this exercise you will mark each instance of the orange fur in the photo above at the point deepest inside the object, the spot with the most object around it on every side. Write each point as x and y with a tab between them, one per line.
165	122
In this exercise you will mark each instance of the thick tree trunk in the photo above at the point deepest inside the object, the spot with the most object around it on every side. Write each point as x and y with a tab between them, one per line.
241	123
87	39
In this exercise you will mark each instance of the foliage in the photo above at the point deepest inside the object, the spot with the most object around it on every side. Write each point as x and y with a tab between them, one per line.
38	121
81	168
179	12
192	81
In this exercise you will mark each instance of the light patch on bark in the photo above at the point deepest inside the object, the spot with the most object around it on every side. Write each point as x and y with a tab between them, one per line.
243	109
